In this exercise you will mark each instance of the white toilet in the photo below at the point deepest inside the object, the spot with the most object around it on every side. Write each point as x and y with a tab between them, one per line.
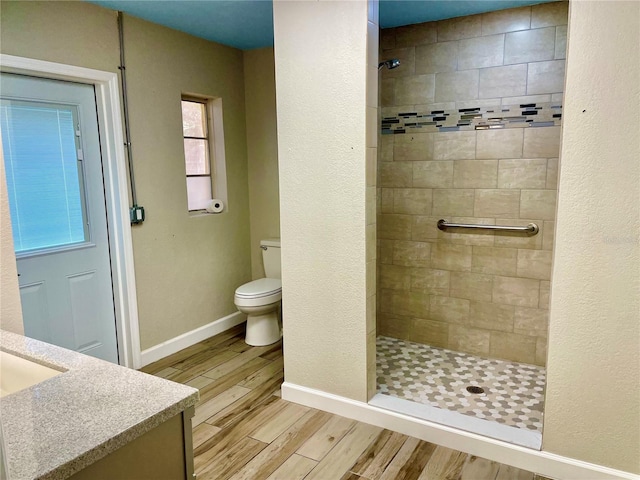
260	299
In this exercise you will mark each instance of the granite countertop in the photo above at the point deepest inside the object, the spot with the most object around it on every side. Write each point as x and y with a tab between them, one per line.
64	424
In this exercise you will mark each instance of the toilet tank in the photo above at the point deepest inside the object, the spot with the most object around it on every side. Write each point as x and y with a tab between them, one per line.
271	257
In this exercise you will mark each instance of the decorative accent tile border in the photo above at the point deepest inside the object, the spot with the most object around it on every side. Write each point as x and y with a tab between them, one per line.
478	118
513	393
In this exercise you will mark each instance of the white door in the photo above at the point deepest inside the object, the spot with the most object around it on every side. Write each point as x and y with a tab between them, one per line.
56	197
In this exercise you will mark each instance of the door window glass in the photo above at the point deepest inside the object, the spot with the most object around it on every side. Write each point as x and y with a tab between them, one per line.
44	175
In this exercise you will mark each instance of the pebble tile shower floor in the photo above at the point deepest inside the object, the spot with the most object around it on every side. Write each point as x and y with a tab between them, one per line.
513	392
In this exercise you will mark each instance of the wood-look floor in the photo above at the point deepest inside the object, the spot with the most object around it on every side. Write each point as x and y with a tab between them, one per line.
243	430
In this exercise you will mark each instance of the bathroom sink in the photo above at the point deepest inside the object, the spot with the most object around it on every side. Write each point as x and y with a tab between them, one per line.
17	373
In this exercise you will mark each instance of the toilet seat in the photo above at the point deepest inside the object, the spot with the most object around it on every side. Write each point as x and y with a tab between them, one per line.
263	291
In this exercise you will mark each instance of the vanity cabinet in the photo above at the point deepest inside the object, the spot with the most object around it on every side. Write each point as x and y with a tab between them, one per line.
166	452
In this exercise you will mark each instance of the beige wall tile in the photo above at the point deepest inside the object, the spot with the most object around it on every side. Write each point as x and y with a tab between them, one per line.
387	38
371	314
424	228
475	173
538	204
394	227
394	326
387	92
471	286
372	380
432	282
545	77
465	236
522	173
386	200
494	261
481	52
455	86
410	304
552	173
481	102
393	111
412	254
461	27
418	34
557	97
503	81
519	240
469	340
457	202
415	201
511	101
549	14
534	264
530	46
522	292
454	146
438	57
430	332
371	205
413	147
510	20
394	277
396	174
545	288
385	148
372	129
497	203
506	143
451	257
531	321
372	166
561	43
542	142
548	235
385	251
371	242
436	106
414	89
514	347
407	57
371	277
433	174
492	316
541	351
450	310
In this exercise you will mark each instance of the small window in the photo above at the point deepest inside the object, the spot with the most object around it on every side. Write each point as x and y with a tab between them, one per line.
197	150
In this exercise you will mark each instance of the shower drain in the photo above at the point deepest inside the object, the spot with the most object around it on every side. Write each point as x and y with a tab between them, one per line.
475	389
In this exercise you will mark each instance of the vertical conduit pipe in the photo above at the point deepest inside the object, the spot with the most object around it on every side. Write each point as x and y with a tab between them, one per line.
137	213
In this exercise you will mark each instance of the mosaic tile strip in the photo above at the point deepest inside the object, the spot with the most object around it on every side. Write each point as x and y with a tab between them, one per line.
513	392
480	118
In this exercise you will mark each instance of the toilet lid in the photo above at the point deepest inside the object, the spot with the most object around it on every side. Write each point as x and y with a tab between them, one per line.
259	288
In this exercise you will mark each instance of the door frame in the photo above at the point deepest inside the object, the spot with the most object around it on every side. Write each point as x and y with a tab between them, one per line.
114	169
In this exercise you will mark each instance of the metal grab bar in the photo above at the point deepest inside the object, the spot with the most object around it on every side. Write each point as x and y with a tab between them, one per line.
530	229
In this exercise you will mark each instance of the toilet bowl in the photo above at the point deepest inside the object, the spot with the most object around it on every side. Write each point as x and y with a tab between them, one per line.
260	301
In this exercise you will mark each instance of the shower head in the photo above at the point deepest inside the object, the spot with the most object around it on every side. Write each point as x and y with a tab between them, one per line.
390	64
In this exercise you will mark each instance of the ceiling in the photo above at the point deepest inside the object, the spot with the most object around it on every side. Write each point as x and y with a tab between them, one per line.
248	24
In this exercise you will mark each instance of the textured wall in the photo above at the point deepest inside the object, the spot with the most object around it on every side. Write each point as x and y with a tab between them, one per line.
262	151
187	266
10	308
321	151
480	293
592	409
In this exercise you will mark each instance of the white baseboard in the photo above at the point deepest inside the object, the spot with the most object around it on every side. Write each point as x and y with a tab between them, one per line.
187	339
544	463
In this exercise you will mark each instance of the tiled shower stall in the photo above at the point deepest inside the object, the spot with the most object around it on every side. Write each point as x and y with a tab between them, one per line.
469	133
